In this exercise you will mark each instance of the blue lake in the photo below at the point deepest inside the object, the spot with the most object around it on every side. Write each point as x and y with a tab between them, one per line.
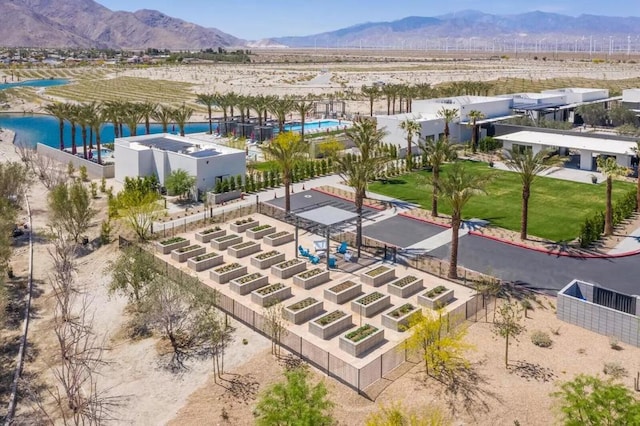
34	83
33	128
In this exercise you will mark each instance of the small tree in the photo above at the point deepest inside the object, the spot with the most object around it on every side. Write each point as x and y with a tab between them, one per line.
507	325
131	273
179	182
138	209
330	147
294	402
591	401
70	208
275	325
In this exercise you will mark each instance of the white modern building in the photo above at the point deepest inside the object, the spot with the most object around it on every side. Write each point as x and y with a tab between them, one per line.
631	99
431	126
579	95
160	154
536	105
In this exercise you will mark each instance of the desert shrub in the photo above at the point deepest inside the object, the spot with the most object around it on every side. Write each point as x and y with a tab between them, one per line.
541	338
614	370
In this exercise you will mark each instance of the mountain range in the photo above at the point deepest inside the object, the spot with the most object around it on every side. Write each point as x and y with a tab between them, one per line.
86	23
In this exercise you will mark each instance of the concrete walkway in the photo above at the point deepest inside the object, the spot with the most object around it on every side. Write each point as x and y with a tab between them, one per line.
436	241
629	245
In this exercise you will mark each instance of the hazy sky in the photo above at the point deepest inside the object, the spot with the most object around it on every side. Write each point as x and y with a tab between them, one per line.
255	19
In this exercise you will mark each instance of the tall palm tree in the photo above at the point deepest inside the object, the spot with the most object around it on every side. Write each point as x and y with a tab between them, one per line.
147	109
181	115
208	100
113	112
133	115
163	114
411	128
259	105
448	114
72	117
222	102
287	149
280	108
303	108
474	116
358	170
232	101
528	165
59	111
372	93
83	118
388	90
611	169
438	152
96	121
457	186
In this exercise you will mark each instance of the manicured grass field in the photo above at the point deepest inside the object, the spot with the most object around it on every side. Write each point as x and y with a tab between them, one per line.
557	208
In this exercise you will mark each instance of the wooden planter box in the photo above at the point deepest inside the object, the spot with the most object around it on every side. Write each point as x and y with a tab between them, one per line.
245	251
243	226
305	314
358	348
205	238
278	240
342	296
178	256
437	301
288	271
379	279
228	240
168	248
225	277
201	265
268	299
335	327
406	290
400	323
249	286
256	235
307	283
372	308
269	261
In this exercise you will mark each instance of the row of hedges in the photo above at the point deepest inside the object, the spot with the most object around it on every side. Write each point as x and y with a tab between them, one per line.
593	226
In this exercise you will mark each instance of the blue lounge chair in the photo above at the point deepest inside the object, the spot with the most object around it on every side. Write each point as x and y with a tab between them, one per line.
333	263
314	259
342	248
303	252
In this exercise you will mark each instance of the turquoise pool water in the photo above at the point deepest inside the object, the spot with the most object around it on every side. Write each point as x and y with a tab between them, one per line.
33	128
321	124
35	83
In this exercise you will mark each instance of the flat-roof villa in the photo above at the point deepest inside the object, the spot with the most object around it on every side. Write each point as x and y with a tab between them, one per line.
161	154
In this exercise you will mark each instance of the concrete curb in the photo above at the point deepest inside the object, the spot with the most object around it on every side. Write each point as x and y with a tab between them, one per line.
524	246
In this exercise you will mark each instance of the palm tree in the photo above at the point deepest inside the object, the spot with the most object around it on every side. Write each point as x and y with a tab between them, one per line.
303	108
611	169
95	121
457	187
83	118
208	100
147	109
372	93
438	152
388	90
222	102
181	115
411	128
448	114
280	108
113	111
72	117
474	116
528	165
359	170
287	150
132	115
59	111
163	115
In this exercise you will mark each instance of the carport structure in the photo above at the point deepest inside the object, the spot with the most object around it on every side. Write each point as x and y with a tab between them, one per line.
327	218
623	150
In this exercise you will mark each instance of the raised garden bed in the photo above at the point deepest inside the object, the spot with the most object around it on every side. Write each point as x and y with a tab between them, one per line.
184	253
210	233
266	259
268	295
248	283
244	224
330	324
311	278
243	249
303	311
405	286
343	292
378	275
222	243
399	318
228	272
205	261
371	304
289	268
278	238
260	231
436	298
168	245
361	340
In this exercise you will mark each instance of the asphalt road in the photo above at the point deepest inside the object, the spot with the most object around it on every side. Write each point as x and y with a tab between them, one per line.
400	231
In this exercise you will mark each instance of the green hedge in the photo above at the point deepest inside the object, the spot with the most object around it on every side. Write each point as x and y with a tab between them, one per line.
593	226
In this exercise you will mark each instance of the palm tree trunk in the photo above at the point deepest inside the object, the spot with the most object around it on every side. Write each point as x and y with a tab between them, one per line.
409	157
210	122
434	198
608	218
98	146
524	220
62	140
371	106
506	351
287	197
73	139
446	129
453	255
302	119
474	138
116	129
147	125
90	137
84	141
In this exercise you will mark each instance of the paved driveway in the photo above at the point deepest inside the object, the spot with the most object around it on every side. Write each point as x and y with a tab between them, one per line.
400	231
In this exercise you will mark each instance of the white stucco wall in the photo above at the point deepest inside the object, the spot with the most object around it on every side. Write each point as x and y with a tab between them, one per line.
631	95
397	136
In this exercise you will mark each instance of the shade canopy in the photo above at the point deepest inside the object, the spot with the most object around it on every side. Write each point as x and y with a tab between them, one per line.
327	215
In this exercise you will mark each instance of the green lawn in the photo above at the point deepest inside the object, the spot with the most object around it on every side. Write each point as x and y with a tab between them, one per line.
557	208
